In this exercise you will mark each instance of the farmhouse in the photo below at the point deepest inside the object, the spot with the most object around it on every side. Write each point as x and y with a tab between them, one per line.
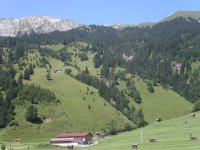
75	139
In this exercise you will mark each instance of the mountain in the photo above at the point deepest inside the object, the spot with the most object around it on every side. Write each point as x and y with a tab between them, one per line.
141	25
45	24
129	76
41	24
184	14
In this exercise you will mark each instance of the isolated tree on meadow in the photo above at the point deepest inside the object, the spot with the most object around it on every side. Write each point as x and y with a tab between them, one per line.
150	87
31	71
48	75
31	113
26	74
86	70
3	147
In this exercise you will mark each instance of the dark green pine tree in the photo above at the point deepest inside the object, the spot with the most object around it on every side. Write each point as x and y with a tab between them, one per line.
97	61
86	70
150	87
20	81
1	99
139	118
11	71
105	71
31	113
48	75
31	71
26	74
1	57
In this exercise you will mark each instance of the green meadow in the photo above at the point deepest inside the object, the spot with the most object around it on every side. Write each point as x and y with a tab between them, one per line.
71	115
173	134
163	103
82	109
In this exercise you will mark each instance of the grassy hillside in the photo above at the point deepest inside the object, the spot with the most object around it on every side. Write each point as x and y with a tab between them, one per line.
72	114
185	14
81	108
163	103
172	134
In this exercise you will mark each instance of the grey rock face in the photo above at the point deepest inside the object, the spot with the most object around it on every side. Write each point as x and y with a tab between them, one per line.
12	27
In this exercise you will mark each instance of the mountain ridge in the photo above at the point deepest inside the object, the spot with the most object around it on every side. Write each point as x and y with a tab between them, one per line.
38	24
45	24
184	14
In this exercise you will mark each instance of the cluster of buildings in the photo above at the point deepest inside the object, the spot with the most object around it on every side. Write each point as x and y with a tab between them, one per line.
75	139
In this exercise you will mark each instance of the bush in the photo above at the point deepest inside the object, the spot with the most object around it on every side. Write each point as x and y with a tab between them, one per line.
3	147
128	127
31	113
196	106
150	87
14	123
68	71
83	57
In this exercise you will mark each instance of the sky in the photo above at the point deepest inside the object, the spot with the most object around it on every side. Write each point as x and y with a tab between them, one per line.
97	11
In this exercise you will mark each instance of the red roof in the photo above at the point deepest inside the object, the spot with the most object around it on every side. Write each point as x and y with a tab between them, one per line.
61	140
76	134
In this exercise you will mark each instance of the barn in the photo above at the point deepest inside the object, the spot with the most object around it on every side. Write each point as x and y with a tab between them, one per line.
75	139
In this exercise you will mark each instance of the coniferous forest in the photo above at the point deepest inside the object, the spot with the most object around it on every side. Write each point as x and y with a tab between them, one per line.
161	54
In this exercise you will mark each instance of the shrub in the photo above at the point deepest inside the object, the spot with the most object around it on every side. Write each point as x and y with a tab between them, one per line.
3	147
14	123
196	106
31	113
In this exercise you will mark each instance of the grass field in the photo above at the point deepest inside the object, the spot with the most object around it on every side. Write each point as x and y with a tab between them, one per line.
172	134
71	115
162	103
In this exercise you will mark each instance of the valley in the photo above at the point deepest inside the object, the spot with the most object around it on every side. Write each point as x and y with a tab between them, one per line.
94	78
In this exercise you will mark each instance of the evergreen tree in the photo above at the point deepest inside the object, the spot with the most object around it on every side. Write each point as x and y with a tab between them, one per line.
196	106
1	55
3	147
11	71
97	61
26	74
105	71
20	80
48	75
139	118
86	70
31	113
31	71
112	128
1	99
68	71
150	87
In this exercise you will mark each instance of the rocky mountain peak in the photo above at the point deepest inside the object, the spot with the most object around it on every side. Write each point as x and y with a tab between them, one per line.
38	24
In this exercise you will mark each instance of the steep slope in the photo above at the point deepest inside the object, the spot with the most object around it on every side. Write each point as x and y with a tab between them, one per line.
42	24
72	114
163	103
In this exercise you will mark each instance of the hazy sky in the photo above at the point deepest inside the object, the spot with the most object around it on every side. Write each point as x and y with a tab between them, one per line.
97	11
